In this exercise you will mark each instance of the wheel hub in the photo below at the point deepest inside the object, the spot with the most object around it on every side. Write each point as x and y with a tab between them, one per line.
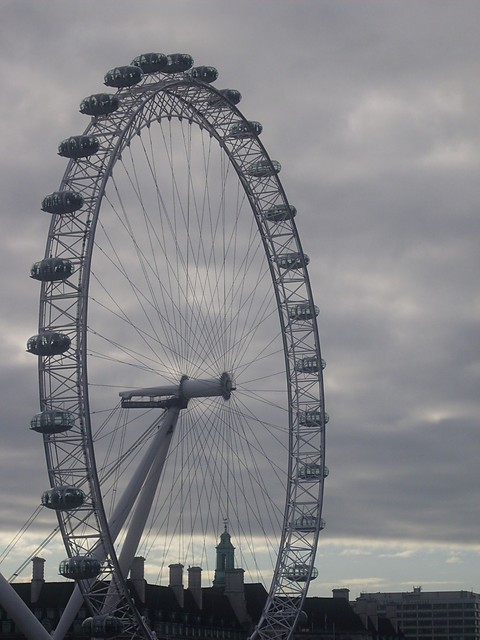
178	395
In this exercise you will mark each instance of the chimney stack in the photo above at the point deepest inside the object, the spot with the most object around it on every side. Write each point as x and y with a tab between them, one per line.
195	585
176	582
341	593
137	576
235	592
38	579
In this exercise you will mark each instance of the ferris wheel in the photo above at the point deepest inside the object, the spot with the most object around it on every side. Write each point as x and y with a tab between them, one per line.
180	372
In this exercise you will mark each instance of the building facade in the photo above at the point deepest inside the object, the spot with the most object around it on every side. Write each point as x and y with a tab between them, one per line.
227	610
426	615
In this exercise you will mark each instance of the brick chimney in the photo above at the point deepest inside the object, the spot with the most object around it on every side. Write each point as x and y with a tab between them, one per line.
38	579
176	582
235	592
341	593
137	576
195	585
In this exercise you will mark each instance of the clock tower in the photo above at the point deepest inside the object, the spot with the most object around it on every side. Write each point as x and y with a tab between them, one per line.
225	558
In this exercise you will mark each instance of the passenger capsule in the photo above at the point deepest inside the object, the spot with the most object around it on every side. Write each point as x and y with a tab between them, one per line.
303	618
231	95
241	130
48	343
264	168
63	498
61	202
80	568
312	471
280	213
178	62
52	270
203	73
78	147
309	365
102	626
291	261
121	77
99	104
308	523
303	311
313	418
150	62
52	421
299	572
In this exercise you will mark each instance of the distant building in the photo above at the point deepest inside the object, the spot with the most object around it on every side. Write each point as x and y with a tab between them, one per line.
425	615
330	619
375	627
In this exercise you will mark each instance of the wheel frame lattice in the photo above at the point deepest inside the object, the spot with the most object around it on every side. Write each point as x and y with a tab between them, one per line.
64	305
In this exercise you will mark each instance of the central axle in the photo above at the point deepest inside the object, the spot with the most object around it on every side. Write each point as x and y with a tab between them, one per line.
178	395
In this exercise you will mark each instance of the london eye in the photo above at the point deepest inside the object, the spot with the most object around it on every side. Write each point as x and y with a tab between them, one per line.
180	371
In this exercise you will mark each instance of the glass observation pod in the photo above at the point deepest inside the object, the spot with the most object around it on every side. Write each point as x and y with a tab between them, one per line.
303	311
150	62
99	104
121	77
52	421
49	343
308	523
309	365
80	568
280	213
52	270
178	62
247	129
61	202
313	418
78	147
232	95
312	471
203	73
63	498
299	573
264	168
102	626
292	261
303	617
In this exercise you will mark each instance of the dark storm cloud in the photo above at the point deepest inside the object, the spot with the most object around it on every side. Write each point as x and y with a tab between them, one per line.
372	109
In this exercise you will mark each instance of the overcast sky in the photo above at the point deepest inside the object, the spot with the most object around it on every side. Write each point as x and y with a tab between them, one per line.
373	109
